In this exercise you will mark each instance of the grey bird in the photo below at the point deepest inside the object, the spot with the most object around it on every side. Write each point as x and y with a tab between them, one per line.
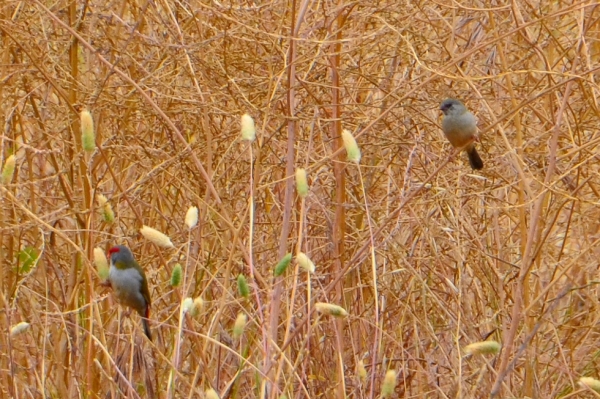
460	128
129	283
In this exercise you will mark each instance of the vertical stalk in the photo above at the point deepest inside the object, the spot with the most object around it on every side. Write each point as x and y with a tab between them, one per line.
339	224
289	184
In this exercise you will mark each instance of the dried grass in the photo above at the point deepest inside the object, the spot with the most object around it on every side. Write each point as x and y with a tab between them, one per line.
424	255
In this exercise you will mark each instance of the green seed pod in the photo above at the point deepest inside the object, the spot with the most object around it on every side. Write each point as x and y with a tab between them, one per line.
176	275
107	213
243	288
282	265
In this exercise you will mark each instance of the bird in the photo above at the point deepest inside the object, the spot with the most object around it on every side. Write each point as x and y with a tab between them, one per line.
460	128
129	283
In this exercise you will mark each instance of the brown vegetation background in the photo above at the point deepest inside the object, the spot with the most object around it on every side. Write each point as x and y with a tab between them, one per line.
425	255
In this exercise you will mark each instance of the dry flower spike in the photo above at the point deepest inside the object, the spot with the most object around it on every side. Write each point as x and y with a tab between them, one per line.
101	263
590	382
330	309
156	237
305	262
191	217
248	130
351	147
88	137
483	348
301	182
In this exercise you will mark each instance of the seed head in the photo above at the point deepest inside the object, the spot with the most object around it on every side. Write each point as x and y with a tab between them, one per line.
191	217
389	384
248	129
196	306
240	324
483	348
156	237
19	328
351	147
176	275
301	183
590	382
243	288
187	305
282	265
305	262
330	309
88	137
101	263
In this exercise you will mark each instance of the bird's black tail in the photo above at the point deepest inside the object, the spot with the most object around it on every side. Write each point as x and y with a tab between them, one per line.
474	158
146	326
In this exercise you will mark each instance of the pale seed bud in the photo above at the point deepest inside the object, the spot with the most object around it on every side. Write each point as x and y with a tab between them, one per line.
197	307
101	199
332	310
240	324
248	129
107	213
305	262
88	139
590	382
211	394
19	328
156	237
389	383
483	348
301	182
9	169
351	147
282	265
187	305
101	263
361	371
191	217
176	275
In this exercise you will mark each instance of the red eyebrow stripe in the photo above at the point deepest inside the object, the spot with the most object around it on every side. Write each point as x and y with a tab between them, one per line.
113	250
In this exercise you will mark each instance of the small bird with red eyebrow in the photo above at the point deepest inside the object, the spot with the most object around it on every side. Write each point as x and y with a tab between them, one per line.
129	283
460	128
